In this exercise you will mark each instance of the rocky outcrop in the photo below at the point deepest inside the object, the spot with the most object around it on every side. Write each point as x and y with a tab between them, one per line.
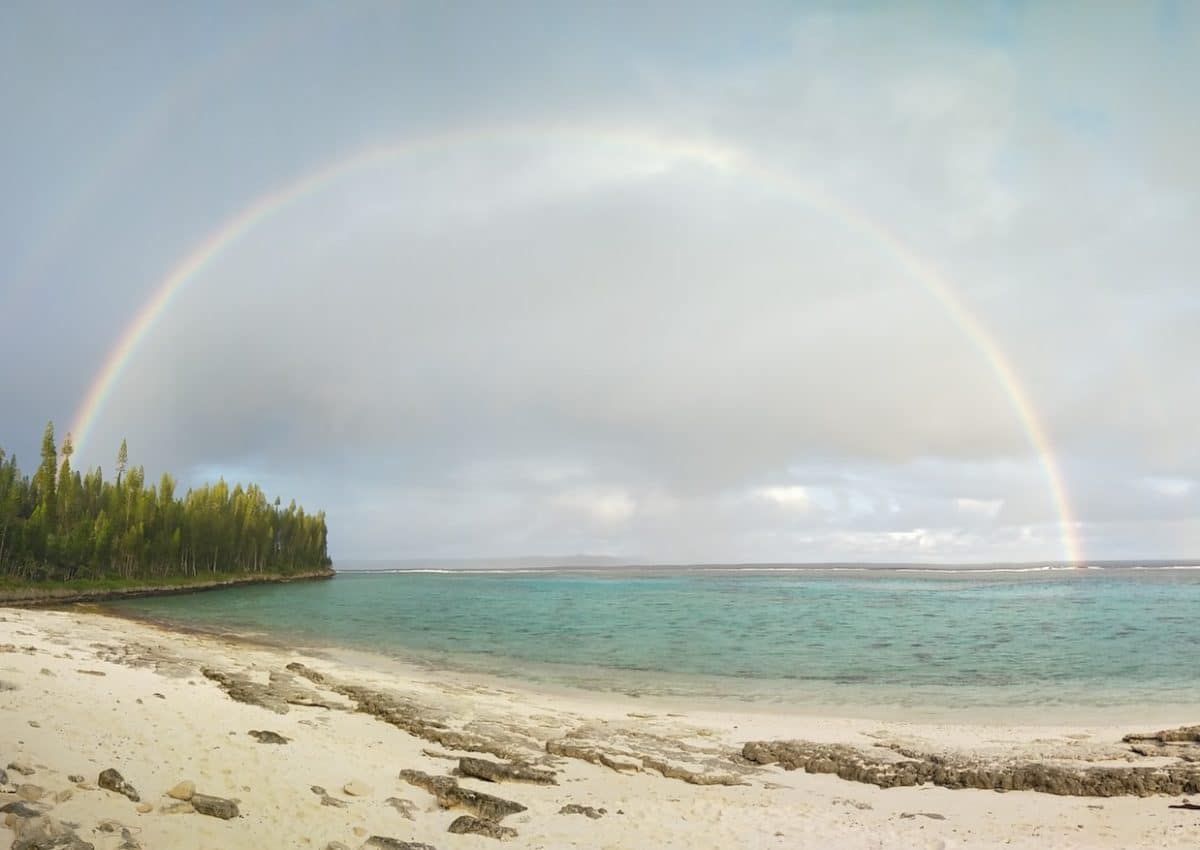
632	752
279	691
468	825
451	795
112	780
491	771
887	768
416	719
1182	743
53	593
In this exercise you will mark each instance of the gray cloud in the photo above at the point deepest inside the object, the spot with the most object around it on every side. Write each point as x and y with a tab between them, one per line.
577	344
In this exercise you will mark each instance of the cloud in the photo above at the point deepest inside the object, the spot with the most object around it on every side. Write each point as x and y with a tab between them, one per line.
583	343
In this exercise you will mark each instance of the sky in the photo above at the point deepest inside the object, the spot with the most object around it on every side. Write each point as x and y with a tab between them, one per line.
661	282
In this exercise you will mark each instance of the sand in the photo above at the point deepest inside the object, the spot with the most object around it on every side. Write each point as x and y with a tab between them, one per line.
81	692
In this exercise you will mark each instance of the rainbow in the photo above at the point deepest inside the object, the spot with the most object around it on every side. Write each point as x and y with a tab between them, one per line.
664	149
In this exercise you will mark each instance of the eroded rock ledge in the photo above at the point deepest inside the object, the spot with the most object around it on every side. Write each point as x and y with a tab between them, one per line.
889	768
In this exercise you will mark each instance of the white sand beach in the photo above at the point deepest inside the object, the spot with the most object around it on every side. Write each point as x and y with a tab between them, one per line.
82	692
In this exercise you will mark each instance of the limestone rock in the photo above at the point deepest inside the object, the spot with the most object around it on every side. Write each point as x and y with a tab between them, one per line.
20	809
576	809
177	807
265	736
76	778
492	771
111	780
403	806
183	790
450	795
217	807
382	842
468	825
895	766
30	793
46	833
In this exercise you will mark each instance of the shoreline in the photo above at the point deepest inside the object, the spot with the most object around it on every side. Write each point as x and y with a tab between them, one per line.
37	595
81	692
544	679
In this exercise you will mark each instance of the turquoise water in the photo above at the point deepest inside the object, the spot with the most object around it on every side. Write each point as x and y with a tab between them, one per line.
800	637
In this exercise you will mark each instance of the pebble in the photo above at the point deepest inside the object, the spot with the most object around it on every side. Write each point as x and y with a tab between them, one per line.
76	777
183	790
144	808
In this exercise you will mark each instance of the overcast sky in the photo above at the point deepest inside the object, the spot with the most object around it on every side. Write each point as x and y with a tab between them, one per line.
560	329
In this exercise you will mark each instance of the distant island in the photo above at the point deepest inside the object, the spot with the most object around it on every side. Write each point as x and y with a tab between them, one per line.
66	535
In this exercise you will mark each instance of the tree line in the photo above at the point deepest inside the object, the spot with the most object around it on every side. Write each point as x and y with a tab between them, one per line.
59	524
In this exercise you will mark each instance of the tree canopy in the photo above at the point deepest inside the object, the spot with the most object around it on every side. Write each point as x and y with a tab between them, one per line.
58	524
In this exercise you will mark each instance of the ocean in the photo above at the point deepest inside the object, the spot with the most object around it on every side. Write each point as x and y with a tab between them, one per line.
871	641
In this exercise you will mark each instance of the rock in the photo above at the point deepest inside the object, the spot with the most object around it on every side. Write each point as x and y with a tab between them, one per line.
468	825
128	842
30	793
450	795
336	845
382	842
492	771
930	815
1184	734
403	806
894	766
183	790
35	724
576	809
267	737
20	809
177	807
46	833
20	767
64	795
111	780
144	808
217	807
355	788
75	777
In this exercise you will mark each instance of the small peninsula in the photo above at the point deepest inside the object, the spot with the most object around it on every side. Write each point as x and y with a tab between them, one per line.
70	536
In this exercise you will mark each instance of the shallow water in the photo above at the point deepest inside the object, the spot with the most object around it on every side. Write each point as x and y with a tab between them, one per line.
797	637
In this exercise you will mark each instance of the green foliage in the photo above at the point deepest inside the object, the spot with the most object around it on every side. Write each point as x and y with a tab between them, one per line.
63	526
